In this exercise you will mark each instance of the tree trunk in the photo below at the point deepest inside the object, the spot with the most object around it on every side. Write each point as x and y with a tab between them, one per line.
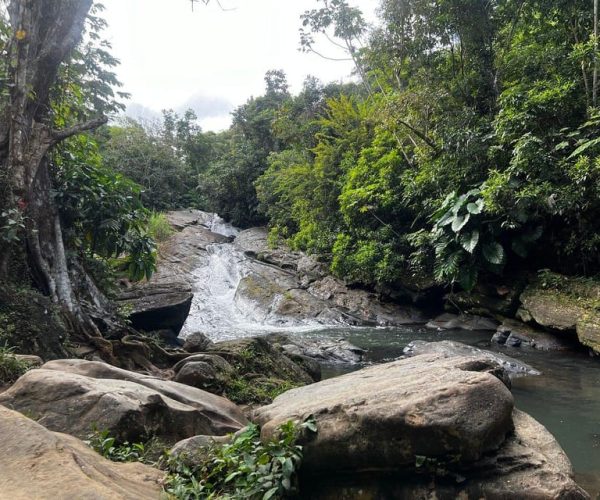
44	33
595	75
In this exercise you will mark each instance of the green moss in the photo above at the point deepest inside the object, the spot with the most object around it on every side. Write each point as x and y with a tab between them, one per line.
263	390
261	373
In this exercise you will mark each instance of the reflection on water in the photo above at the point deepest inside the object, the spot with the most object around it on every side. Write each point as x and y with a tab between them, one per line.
565	398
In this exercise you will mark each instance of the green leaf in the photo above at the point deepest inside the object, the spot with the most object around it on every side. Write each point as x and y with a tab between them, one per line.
459	222
494	253
586	145
476	207
270	493
469	241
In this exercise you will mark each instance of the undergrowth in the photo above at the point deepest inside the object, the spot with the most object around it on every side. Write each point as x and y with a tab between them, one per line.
246	468
11	368
158	227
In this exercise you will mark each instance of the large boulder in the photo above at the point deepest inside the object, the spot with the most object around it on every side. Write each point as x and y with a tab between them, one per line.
205	371
37	463
564	304
385	416
76	396
447	348
530	465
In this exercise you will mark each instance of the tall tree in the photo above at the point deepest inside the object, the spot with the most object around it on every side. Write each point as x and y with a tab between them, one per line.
41	38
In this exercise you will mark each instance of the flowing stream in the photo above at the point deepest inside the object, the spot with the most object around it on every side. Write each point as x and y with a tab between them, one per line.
565	398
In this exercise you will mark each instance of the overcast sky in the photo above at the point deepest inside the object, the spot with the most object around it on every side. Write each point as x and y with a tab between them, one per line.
210	59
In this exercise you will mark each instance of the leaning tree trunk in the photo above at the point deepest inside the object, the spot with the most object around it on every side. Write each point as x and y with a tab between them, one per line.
44	34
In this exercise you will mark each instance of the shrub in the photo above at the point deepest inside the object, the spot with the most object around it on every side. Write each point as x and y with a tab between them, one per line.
247	468
158	227
11	368
108	447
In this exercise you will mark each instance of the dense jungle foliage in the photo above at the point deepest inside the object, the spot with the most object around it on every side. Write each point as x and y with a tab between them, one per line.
467	149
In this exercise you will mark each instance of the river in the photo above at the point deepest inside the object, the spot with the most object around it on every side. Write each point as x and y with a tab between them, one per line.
565	397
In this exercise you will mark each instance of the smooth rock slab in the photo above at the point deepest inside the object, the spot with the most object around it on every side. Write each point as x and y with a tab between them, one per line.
513	367
38	464
448	321
74	396
382	417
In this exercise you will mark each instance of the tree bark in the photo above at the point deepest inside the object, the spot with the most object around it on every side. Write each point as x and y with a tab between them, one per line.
44	33
595	75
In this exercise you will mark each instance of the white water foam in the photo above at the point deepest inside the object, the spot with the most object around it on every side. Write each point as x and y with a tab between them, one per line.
216	310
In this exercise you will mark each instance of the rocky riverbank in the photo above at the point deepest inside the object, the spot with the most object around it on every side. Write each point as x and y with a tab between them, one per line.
432	426
439	423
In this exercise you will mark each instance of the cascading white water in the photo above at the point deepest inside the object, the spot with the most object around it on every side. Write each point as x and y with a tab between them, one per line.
216	310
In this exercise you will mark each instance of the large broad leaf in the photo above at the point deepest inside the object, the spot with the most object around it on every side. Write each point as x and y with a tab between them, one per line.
584	146
469	240
476	207
494	253
447	218
459	222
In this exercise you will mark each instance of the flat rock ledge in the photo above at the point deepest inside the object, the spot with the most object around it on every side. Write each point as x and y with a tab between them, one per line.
387	431
75	396
36	463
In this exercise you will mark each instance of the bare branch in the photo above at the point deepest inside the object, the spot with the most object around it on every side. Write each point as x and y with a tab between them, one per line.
61	135
333	42
420	135
328	58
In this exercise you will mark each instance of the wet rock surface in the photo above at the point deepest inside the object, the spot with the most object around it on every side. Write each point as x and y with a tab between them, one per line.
306	288
76	396
448	348
37	463
513	333
449	321
322	350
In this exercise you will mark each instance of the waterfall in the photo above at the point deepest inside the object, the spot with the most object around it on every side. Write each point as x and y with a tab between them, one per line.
221	313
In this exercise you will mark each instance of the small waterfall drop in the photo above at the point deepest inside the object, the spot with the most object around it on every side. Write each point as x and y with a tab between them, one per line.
217	309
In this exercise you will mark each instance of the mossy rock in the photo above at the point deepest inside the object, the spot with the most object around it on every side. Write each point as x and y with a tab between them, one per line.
31	324
565	304
588	331
261	371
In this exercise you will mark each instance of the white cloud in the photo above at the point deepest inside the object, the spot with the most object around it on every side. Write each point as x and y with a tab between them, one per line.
172	56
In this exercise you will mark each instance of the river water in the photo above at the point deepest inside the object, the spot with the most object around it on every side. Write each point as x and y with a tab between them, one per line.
565	397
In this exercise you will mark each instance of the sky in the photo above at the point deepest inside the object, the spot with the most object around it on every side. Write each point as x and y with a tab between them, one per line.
212	59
